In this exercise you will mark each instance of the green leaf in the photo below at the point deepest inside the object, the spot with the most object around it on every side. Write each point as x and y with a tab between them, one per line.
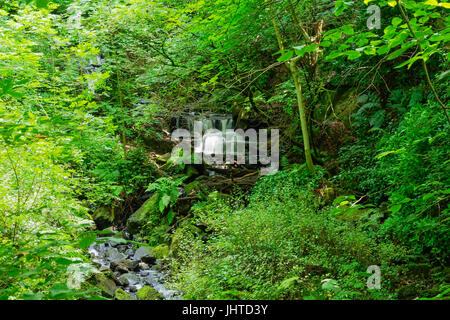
396	21
32	296
61	291
400	51
395	208
164	202
170	216
86	239
286	56
302	50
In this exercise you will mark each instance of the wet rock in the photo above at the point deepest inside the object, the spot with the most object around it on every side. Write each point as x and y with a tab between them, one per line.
133	288
148	293
113	254
127	279
138	219
122	295
104	268
143	266
144	273
123	265
144	254
105	284
97	262
129	252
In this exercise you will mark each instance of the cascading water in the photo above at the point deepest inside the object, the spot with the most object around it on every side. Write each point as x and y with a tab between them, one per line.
217	130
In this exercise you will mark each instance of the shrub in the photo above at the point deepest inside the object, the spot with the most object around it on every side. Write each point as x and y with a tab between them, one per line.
280	246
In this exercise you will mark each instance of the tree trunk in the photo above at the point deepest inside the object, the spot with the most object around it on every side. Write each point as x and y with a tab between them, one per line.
301	107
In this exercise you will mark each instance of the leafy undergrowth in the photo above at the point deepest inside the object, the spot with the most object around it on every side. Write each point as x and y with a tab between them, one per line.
284	245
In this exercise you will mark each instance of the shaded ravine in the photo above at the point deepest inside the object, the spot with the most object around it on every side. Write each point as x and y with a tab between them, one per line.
132	269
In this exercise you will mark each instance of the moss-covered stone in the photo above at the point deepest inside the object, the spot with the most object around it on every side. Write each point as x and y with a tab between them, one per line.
190	187
122	295
163	158
161	252
138	219
105	284
145	254
148	293
123	265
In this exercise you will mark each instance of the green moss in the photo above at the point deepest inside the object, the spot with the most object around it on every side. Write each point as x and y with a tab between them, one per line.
140	217
161	252
105	284
148	293
122	295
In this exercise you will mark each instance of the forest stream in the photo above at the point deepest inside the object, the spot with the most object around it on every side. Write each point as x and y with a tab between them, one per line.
132	269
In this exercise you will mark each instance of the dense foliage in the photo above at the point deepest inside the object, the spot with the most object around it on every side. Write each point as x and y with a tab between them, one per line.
88	90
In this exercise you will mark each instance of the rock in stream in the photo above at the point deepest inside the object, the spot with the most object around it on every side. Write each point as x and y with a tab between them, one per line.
133	271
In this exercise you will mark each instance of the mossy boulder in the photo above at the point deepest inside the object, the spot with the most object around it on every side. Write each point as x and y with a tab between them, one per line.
105	284
128	279
123	265
144	254
148	293
138	219
161	252
122	295
191	171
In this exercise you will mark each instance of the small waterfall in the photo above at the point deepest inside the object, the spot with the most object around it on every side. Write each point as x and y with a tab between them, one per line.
214	125
219	137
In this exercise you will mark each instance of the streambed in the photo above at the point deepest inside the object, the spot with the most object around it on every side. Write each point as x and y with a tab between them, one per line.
131	268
